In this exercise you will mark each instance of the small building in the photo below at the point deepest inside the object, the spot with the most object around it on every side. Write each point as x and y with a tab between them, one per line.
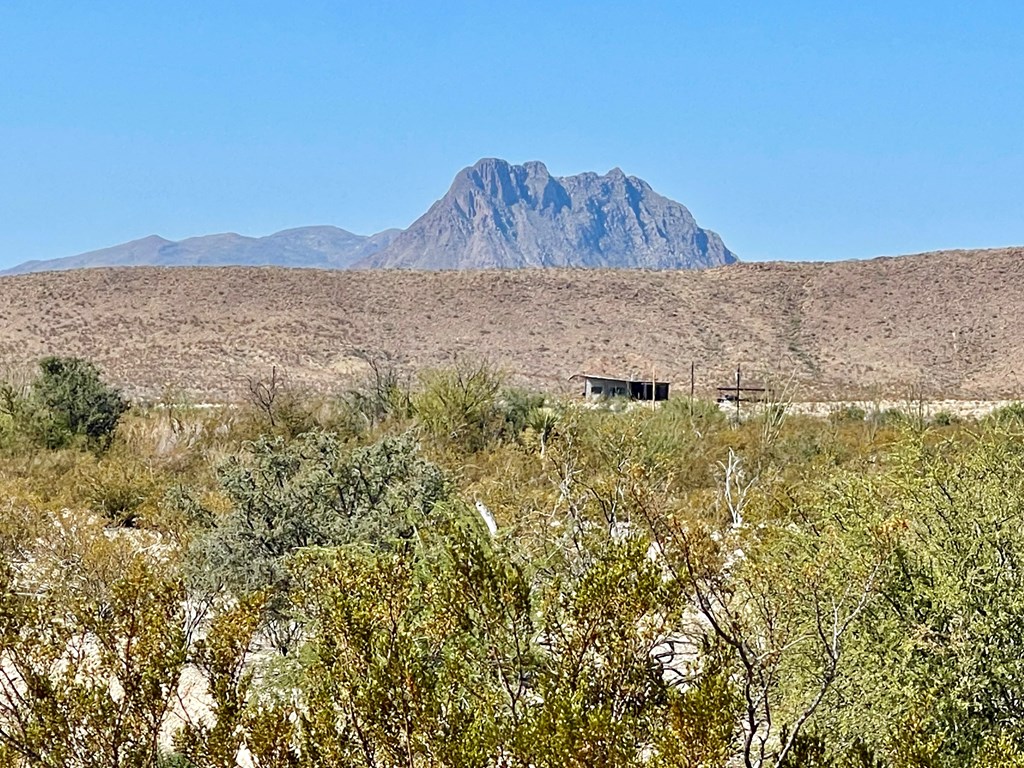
635	389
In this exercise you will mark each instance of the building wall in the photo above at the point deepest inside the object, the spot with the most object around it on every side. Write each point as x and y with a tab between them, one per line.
606	388
637	390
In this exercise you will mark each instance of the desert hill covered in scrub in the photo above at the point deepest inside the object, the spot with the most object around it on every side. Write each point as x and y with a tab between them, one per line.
943	323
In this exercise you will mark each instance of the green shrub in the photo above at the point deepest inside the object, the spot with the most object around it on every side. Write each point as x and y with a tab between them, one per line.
173	760
1012	413
519	406
459	406
383	395
310	492
67	400
890	417
118	487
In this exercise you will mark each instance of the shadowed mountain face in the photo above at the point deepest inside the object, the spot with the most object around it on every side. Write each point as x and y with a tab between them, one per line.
498	215
320	247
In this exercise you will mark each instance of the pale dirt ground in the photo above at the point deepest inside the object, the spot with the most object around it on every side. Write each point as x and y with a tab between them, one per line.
975	409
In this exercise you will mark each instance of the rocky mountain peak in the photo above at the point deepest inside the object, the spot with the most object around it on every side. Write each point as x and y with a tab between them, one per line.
497	214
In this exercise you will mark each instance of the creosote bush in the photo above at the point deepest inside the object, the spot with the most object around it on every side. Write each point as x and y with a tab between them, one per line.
459	406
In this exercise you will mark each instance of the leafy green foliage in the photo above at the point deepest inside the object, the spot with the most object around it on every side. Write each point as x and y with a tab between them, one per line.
518	407
600	691
223	656
1011	414
311	492
383	395
460	407
948	637
388	681
93	640
701	721
74	402
847	413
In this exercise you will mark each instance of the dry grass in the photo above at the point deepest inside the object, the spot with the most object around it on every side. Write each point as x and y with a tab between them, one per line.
944	324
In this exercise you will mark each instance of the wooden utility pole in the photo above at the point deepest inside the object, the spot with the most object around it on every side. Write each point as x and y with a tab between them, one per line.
737	393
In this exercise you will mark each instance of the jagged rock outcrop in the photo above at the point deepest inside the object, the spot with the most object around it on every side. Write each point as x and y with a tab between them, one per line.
498	215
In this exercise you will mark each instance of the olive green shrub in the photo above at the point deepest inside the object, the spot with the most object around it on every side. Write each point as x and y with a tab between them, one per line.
74	402
460	406
93	638
314	491
66	401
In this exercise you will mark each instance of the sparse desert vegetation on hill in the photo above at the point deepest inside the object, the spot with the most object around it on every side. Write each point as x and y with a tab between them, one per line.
940	325
458	573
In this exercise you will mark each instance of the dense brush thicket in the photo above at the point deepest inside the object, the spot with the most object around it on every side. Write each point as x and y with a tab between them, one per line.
458	574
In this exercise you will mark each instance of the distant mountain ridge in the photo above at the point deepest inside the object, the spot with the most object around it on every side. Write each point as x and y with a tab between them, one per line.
499	215
324	247
495	215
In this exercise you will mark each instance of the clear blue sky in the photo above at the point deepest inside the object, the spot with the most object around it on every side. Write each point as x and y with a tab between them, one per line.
797	130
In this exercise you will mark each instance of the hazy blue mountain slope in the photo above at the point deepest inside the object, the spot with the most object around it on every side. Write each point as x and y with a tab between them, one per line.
323	247
500	215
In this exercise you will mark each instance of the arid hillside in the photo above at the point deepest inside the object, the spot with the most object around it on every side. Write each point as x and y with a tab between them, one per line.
942	324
